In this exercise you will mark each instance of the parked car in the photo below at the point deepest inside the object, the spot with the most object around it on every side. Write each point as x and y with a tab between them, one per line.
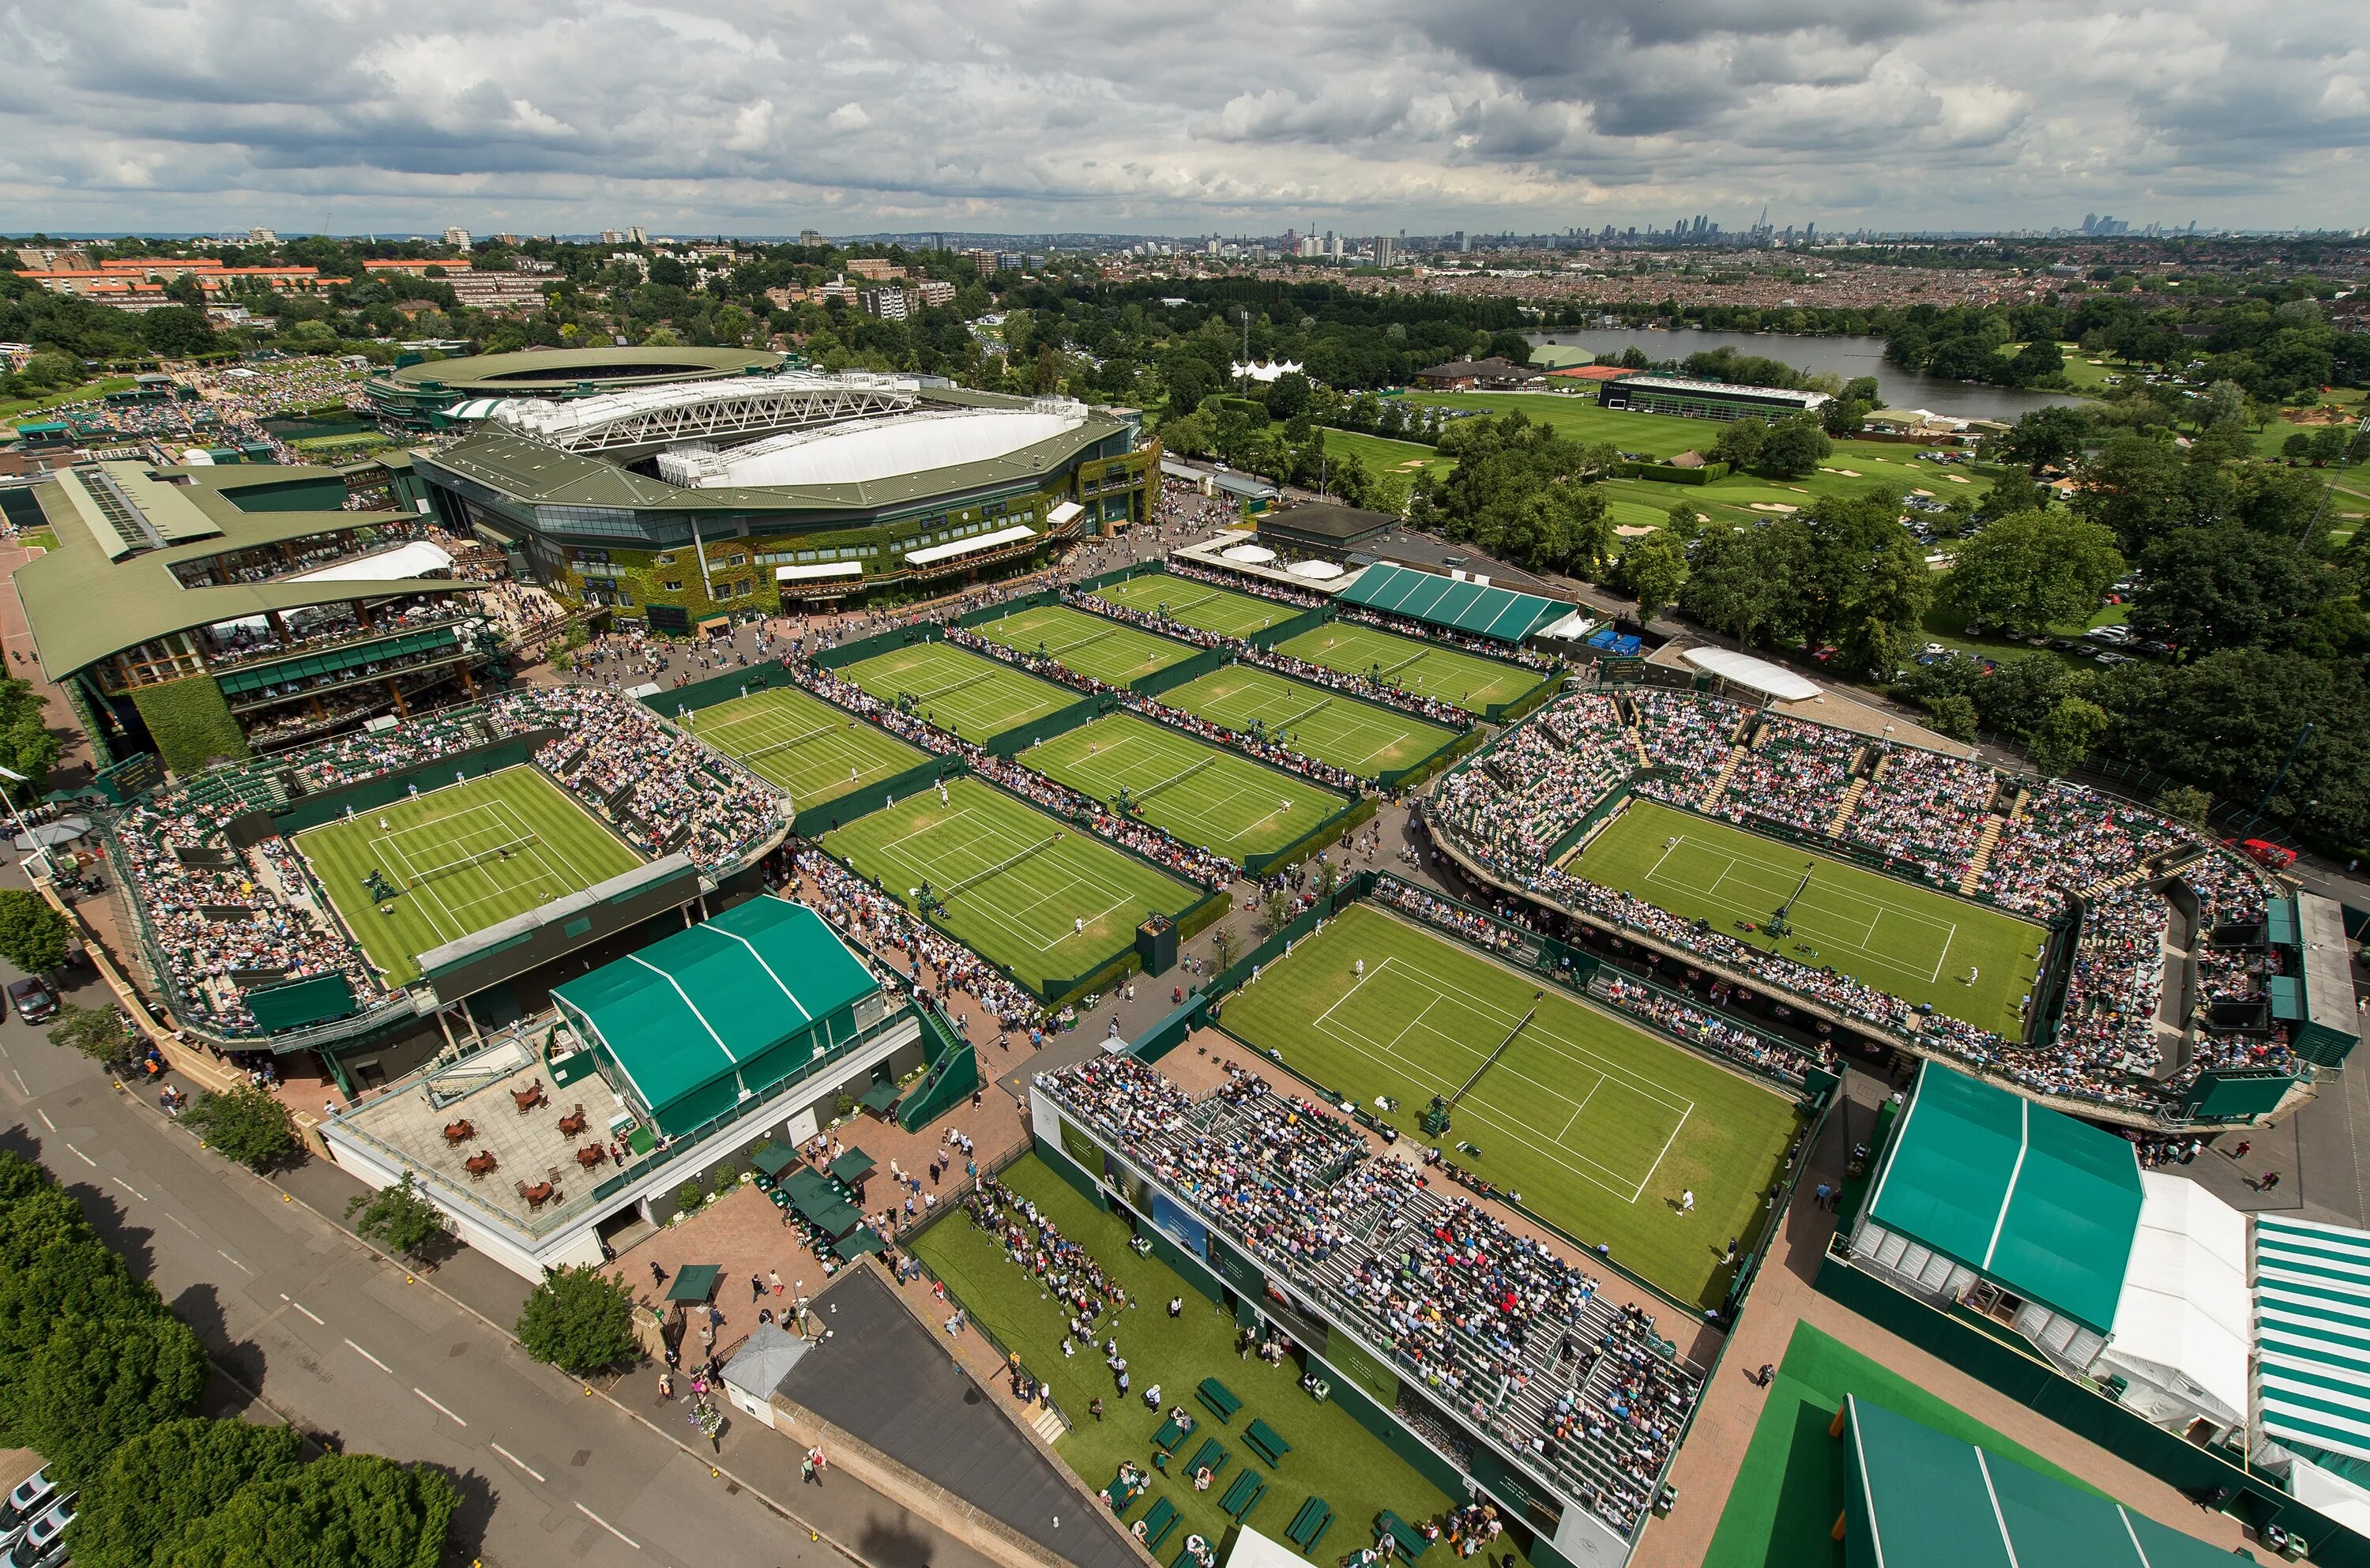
26	1502
2109	634
34	1001
2110	657
43	1544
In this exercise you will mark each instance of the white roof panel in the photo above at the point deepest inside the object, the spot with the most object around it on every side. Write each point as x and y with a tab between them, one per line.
812	570
864	450
1757	674
420	557
2184	1305
935	553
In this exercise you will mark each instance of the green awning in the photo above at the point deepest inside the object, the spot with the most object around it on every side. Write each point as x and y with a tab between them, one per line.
853	1167
337	661
2287	997
2281	925
2312	1334
856	1244
1916	1496
2030	1197
837	1221
774	1158
1482	610
879	1098
694	1282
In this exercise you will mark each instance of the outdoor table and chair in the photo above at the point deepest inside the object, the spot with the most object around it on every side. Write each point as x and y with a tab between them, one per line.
573	1122
1266	1442
461	1131
592	1155
527	1099
539	1194
479	1163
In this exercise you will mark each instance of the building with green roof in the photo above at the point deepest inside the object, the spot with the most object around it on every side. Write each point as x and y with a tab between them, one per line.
1455	602
200	612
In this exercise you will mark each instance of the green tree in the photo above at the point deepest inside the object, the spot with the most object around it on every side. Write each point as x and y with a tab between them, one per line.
2226	586
342	1511
2222	402
26	744
2066	738
398	1218
161	1482
100	1382
1955	717
96	1033
2045	438
32	935
1653	570
580	1320
2186	802
177	331
2032	570
1222	949
246	1123
1287	397
2035	364
1795	448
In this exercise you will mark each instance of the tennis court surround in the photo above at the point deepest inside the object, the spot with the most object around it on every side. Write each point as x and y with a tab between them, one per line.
801	744
1107	651
1197	605
461	858
1217	798
1903	940
1427	669
968	692
1362	738
1045	899
1600	1127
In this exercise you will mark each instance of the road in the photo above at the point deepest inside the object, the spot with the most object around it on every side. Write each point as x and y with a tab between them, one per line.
350	1346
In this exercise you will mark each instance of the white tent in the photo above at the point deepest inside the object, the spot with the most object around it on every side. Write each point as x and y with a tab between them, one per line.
2184	1324
1266	372
1754	674
1249	555
2330	1495
1315	570
1252	1550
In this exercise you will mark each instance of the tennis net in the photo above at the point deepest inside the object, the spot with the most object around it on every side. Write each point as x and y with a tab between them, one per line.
498	852
1175	779
1189	604
770	747
952	687
972	880
1311	711
1390	670
1087	641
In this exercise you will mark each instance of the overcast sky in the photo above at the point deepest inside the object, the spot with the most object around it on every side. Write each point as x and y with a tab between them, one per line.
769	116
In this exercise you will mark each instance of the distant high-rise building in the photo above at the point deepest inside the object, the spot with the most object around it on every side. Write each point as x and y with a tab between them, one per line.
263	237
457	238
613	236
634	235
811	236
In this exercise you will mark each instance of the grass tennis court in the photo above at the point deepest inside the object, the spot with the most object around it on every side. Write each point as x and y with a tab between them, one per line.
1219	800
1102	649
459	859
1598	1125
1220	610
1791	1485
1046	899
1915	943
798	742
1425	668
974	696
1362	737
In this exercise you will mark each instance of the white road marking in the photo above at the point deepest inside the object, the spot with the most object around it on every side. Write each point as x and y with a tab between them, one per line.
431	1399
514	1459
605	1524
234	1263
374	1360
301	1307
129	1188
177	1219
44	1116
26	1087
83	1157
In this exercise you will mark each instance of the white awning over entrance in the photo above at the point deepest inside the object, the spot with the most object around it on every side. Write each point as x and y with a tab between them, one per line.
1754	674
938	553
808	571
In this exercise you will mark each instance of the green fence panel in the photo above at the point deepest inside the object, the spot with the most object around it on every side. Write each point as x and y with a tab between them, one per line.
1121	575
814	821
1447	753
948	1084
1531	701
879	642
1062	720
725	687
1300	849
312	810
1208	661
1291	627
1003	607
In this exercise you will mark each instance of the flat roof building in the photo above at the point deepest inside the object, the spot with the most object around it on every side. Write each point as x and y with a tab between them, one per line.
1690	398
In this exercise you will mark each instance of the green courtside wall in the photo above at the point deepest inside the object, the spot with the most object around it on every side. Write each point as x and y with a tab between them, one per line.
1498	614
2312	1330
1918	1496
2028	1197
738	1003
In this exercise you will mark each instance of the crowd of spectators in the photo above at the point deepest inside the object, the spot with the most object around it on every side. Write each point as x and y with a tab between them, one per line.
1496	1325
664	792
873	919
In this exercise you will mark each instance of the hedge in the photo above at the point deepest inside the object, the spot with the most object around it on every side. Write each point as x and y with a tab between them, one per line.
192	723
1664	473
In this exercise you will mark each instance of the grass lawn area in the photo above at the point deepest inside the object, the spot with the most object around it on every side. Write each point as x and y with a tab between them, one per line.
19	408
1597	1125
1382	454
443	852
1427	669
1046	899
801	744
1107	651
974	696
1363	737
1197	605
1901	939
1204	794
1332	1457
38	539
1790	1487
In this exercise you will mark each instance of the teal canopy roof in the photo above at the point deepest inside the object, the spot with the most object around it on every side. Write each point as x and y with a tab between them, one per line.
2030	1197
2312	1334
725	1003
1497	613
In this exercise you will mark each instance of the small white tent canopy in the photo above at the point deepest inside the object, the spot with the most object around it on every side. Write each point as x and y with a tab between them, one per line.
1252	1550
1754	674
2330	1495
1315	570
2184	1324
1570	628
1249	555
420	557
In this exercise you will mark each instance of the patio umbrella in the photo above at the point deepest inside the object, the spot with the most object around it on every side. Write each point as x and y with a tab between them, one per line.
44	835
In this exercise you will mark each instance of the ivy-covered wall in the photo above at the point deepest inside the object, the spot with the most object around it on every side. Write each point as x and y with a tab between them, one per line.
191	724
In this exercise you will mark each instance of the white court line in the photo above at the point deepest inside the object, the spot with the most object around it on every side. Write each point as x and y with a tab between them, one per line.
605	1524
374	1360
1666	1148
1583	1105
301	1307
431	1399
1345	995
514	1459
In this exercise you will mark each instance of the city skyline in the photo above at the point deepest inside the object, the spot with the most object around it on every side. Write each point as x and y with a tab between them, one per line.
1415	116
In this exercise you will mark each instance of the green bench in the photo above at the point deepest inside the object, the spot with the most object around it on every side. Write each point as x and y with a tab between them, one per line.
1121	1496
1412	1542
1172	1433
1157	1521
1266	1442
1218	1400
1243	1496
1308	1526
1209	1454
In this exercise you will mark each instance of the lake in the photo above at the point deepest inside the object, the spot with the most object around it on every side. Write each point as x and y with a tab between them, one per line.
1846	357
